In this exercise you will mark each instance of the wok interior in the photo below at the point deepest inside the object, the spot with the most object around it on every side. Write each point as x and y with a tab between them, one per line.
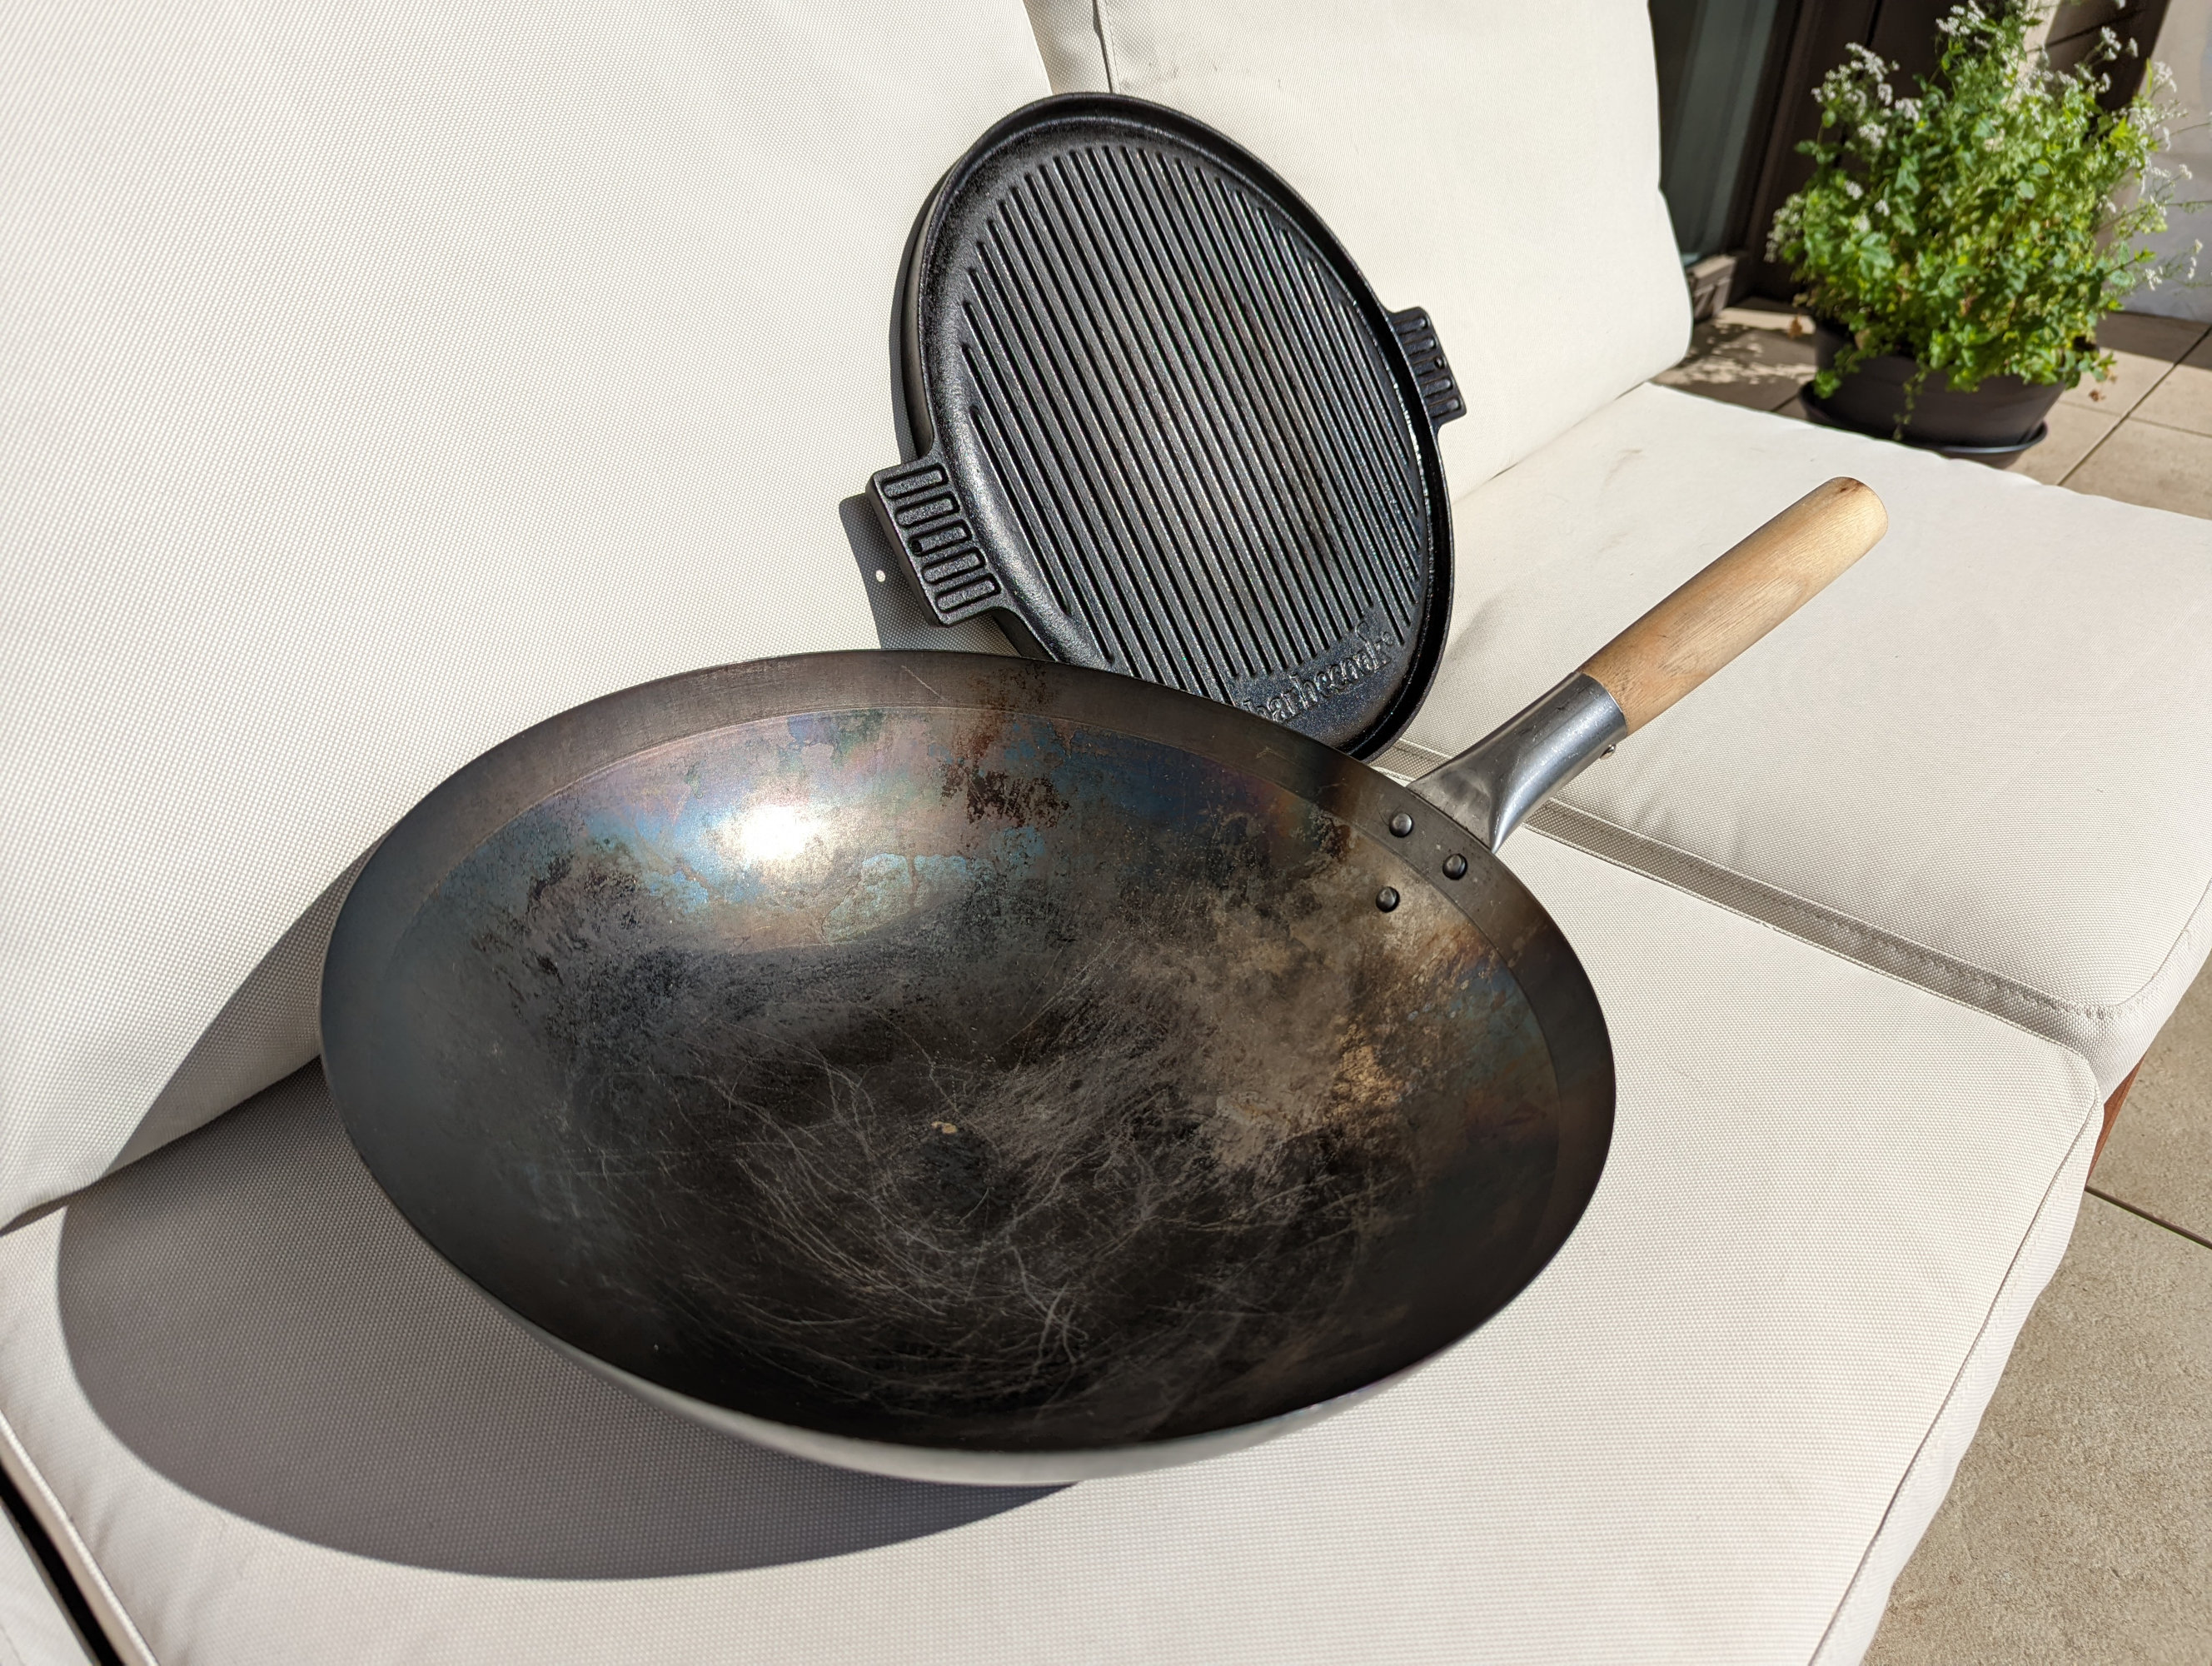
961	1079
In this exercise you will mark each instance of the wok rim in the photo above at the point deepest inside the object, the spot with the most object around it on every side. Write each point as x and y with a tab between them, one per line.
471	805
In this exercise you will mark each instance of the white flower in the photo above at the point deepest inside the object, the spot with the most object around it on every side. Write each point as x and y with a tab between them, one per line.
1852	190
1873	132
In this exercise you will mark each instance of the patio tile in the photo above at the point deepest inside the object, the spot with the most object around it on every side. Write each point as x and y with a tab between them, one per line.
2134	377
2076	431
2141	462
1746	356
2160	1156
2079	1530
2147	335
2147	349
2184	400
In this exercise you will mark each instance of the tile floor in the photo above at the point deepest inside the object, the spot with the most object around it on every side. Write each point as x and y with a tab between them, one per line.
2079	1530
2144	434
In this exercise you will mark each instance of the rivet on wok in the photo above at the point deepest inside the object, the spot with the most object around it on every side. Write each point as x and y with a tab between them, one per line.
1455	867
1401	824
1386	899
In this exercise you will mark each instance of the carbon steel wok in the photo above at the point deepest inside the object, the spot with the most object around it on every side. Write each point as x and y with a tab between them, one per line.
983	1069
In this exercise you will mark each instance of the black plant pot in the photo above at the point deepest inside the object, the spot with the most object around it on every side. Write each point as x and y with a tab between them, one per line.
2001	418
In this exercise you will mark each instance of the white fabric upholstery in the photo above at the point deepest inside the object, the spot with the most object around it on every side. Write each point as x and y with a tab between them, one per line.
278	1429
1498	165
1977	760
33	1629
382	379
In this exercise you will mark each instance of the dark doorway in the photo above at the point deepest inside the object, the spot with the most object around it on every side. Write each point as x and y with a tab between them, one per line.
1715	60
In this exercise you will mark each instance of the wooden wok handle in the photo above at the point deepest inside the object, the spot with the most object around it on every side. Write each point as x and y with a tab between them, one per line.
1738	599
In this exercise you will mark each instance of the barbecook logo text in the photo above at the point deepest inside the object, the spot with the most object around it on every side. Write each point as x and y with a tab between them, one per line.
1306	692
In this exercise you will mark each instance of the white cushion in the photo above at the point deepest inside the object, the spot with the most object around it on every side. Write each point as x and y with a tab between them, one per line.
1499	166
382	379
277	1428
1977	760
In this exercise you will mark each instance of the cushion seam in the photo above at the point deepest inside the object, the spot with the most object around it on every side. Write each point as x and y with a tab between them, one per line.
1559	820
2040	1038
106	1606
1908	948
2091	1121
1108	54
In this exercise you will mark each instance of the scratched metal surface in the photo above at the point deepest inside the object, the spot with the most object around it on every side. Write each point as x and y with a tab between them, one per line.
963	1077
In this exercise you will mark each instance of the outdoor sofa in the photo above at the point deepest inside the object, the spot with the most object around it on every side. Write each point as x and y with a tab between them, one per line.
382	379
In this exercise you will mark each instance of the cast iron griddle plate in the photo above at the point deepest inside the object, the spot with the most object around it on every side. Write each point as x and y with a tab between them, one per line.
1167	429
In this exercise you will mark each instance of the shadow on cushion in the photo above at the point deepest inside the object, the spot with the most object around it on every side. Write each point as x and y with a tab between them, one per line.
249	1315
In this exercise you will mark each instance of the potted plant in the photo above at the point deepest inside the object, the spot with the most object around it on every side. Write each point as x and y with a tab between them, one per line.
1957	248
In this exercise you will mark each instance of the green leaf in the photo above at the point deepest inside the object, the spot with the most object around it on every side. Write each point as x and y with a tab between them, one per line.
1972	235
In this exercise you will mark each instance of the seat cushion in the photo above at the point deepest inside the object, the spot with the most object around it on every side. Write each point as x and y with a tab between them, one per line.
1977	760
1522	211
381	380
273	1427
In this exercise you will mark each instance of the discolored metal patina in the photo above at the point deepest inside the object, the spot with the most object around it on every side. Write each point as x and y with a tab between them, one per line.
948	1053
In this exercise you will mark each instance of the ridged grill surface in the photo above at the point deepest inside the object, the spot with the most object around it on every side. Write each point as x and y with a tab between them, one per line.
1196	433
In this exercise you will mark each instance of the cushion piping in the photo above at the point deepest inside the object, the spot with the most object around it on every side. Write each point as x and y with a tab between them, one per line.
1603	838
99	1595
1837	1644
1854	939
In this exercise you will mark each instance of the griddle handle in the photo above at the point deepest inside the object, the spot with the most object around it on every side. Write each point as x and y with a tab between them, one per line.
1490	787
919	505
1416	335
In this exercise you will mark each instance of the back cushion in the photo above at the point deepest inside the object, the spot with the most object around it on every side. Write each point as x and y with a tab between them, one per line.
382	379
1497	164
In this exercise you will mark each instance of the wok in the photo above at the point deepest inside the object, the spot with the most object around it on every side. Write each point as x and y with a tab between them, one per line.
990	1070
